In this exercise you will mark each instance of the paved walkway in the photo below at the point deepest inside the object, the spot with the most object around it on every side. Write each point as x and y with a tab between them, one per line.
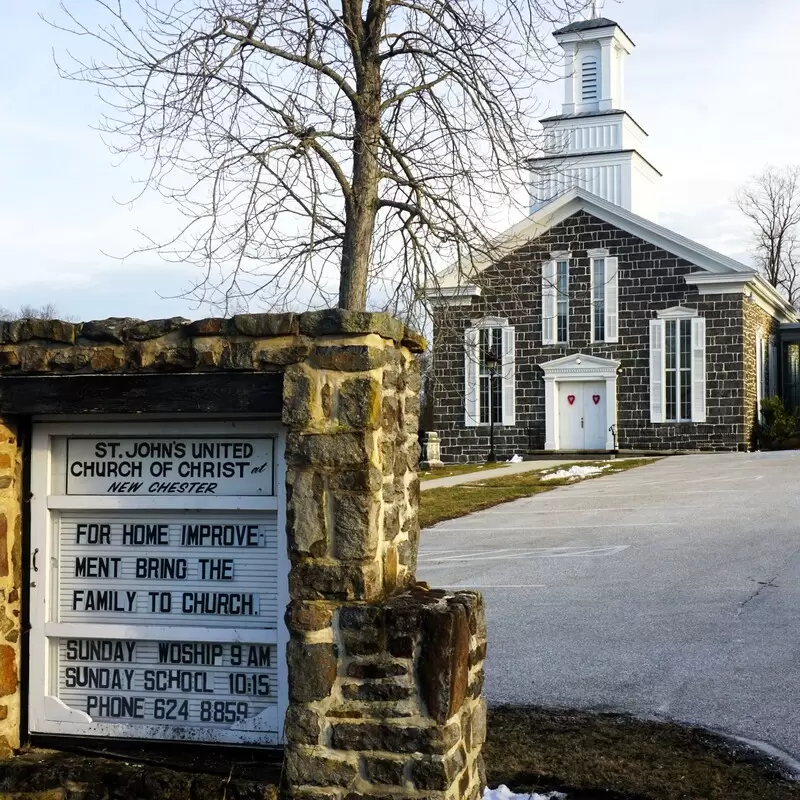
497	472
672	590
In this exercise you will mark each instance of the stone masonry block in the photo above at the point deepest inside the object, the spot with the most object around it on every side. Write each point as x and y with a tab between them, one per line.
338	321
309	767
392	738
355	525
265	325
309	615
348	358
303	725
312	670
306	520
49	330
3	545
360	617
376	669
273	355
388	771
376	692
328	450
360	404
444	662
326	580
366	479
237	356
9	680
297	398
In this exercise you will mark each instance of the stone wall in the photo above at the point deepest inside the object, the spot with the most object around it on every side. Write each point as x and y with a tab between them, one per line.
10	586
386	698
385	676
650	279
756	320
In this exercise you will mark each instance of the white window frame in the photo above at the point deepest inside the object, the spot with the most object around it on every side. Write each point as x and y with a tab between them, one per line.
472	373
549	291
760	361
772	367
658	361
484	373
49	715
562	300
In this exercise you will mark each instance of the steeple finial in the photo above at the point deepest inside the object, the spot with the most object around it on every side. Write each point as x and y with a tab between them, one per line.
595	9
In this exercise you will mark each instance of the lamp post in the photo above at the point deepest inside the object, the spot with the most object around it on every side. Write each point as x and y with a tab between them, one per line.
492	362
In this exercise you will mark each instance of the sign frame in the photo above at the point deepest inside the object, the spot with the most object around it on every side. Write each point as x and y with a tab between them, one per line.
47	713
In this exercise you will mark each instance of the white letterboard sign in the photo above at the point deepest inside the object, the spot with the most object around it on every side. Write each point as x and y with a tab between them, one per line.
165	617
170	466
202	569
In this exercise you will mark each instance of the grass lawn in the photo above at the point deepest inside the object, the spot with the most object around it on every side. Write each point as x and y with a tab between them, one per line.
615	757
458	469
438	505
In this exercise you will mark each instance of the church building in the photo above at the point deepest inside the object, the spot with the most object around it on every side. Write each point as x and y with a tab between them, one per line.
595	328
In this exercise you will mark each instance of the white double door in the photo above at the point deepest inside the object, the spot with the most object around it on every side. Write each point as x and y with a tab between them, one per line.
582	415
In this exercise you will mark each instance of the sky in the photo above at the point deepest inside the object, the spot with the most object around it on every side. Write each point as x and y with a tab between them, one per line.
712	81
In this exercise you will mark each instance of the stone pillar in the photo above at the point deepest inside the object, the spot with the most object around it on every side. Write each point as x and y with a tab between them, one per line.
384	676
10	585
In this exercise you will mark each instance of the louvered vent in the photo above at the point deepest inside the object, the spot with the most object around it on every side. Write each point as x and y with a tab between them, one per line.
589	79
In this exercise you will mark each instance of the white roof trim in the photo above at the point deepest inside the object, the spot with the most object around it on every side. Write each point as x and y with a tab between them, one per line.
452	295
576	199
751	285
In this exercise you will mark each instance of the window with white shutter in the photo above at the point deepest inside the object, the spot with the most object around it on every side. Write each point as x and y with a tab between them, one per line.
490	388
656	370
678	367
509	387
698	369
611	300
471	415
597	269
549	302
772	367
759	371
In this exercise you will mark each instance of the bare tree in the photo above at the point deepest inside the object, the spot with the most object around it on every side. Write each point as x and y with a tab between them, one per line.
46	311
771	201
310	140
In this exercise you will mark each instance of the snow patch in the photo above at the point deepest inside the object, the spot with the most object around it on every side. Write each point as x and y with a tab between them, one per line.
575	472
502	792
515	459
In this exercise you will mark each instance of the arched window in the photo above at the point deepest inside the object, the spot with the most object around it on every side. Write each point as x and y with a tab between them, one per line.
589	79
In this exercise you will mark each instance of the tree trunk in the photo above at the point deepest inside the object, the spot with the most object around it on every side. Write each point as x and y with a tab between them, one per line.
361	210
360	213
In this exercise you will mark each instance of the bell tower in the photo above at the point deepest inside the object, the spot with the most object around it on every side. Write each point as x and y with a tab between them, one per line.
595	143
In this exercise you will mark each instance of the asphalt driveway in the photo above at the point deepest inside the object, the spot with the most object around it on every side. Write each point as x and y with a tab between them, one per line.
672	590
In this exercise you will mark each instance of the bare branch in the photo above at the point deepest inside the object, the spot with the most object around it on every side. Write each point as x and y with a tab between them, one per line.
321	149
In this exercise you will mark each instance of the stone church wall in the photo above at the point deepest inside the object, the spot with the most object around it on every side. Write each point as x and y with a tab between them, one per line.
755	319
650	279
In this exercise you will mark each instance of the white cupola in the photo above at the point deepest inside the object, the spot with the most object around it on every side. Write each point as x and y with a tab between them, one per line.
594	143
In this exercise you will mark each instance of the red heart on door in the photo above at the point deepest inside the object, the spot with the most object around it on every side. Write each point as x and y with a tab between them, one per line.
570	398
596	398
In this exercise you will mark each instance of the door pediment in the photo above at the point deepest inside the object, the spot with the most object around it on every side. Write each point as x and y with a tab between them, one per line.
580	366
